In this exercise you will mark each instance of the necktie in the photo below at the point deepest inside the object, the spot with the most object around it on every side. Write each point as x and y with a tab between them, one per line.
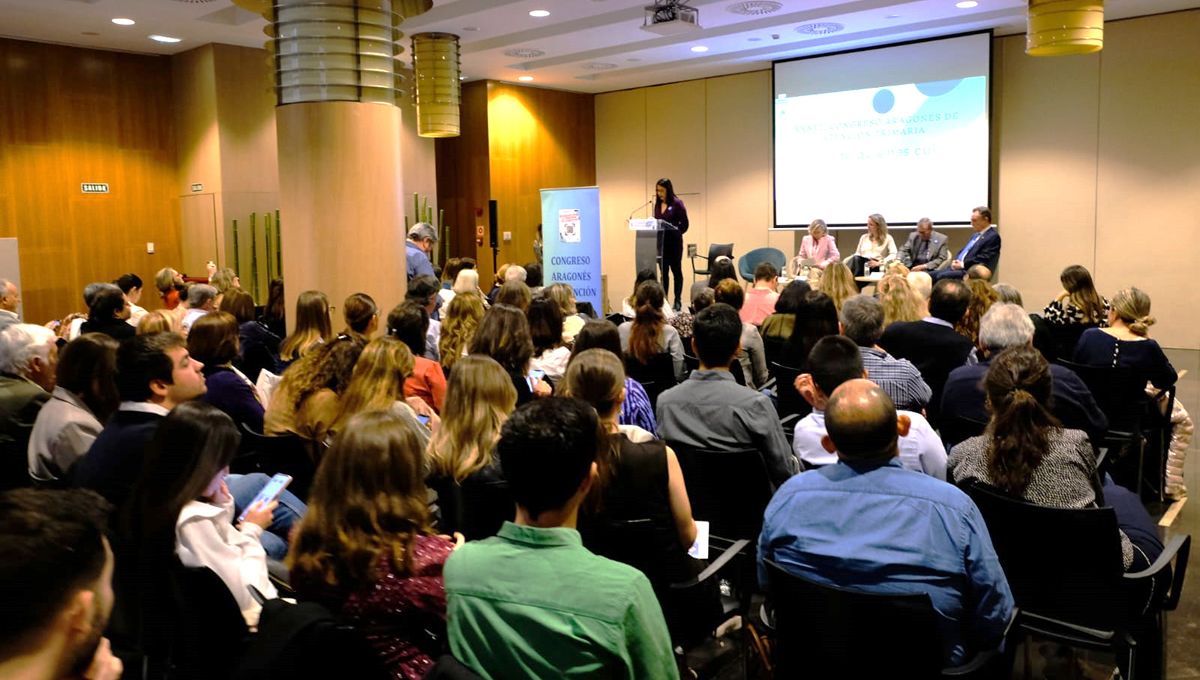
962	254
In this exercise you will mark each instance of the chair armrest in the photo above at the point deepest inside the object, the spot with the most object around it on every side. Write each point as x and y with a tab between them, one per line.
1178	546
982	659
1044	625
715	565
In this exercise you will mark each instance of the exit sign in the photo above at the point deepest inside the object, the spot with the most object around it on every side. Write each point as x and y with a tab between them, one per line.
94	187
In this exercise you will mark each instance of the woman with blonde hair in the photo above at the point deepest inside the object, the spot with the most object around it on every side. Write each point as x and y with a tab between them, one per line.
1078	303
459	322
306	402
982	299
313	327
838	284
817	246
377	384
875	248
462	462
366	549
158	321
564	295
899	301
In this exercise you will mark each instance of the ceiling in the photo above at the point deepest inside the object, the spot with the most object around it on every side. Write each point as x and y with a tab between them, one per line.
583	45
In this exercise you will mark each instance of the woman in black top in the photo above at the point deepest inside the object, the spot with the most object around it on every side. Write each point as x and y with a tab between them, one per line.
668	208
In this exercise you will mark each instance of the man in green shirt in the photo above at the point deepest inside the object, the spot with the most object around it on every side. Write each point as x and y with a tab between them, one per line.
532	602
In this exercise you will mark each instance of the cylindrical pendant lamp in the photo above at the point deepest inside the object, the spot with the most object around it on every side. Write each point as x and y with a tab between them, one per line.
1062	27
436	84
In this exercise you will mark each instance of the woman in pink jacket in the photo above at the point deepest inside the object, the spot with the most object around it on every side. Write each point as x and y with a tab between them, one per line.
817	246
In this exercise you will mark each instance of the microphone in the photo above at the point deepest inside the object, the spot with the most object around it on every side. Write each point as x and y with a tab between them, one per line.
631	212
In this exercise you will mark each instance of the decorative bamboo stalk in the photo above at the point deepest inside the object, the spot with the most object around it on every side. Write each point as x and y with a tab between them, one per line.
278	246
237	267
267	235
254	253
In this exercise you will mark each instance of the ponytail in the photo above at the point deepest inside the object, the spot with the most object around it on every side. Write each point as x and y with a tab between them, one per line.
1018	386
646	334
1141	327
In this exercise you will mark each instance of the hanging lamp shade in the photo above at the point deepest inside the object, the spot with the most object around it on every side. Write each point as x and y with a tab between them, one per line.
435	84
1062	27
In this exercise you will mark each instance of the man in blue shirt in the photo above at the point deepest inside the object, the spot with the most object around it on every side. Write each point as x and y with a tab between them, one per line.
867	523
421	239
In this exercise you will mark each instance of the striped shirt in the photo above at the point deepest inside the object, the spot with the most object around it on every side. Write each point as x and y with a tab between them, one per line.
898	378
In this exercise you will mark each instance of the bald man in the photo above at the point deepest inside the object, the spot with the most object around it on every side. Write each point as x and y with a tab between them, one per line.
867	523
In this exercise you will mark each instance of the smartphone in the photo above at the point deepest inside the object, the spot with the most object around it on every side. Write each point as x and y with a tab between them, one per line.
535	376
270	492
699	549
424	419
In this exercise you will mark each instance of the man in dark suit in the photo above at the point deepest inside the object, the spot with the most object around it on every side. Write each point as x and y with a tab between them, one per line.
1004	326
932	344
925	249
155	374
982	249
28	359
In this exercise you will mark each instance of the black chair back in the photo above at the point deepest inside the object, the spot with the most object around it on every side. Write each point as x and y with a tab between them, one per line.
656	376
290	454
827	631
787	400
477	507
729	489
306	640
955	429
209	633
735	369
1119	392
1065	337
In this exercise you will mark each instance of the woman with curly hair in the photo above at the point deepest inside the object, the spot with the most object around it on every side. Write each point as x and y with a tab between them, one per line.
306	400
459	323
900	302
366	549
838	283
982	299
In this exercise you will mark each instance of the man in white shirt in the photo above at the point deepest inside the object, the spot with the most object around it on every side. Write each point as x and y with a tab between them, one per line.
834	360
201	299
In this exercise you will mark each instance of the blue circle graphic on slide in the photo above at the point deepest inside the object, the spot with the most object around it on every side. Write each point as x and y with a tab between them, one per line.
937	88
884	101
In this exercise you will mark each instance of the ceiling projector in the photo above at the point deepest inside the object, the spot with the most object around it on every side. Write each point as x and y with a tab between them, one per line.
671	17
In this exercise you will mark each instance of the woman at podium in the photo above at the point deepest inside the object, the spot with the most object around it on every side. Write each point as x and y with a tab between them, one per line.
668	208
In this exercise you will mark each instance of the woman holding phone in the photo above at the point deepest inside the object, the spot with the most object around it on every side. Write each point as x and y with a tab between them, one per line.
668	208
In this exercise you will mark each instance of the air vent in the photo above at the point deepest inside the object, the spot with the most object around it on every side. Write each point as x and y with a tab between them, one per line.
524	53
754	8
819	28
599	66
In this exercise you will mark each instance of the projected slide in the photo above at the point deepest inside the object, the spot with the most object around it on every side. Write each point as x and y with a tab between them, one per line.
905	148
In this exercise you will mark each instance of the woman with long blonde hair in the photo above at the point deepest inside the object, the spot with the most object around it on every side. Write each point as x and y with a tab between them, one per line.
377	384
900	302
459	323
312	326
838	284
875	248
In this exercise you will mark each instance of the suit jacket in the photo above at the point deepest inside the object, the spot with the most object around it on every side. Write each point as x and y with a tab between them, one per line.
934	349
114	463
986	250
938	252
20	402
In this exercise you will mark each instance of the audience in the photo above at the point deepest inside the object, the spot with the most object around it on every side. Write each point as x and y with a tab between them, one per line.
201	299
836	360
550	352
274	313
720	270
1126	340
921	284
362	317
423	292
1006	326
450	274
84	396
862	320
762	296
306	400
533	279
258	346
838	283
510	597
214	342
816	317
56	571
751	353
131	286
682	321
637	412
409	322
900	302
109	313
866	523
28	369
504	336
169	284
514	294
158	321
515	272
710	411
932	344
313	327
378	383
1078	306
776	329
459	323
467	282
10	302
564	295
648	334
982	298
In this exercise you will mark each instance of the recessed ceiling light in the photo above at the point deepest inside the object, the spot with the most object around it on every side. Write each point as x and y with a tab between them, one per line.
699	48
164	38
539	13
754	8
120	21
819	28
524	52
966	4
525	79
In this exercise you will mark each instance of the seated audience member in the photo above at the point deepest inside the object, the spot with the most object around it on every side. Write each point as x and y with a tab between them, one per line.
514	294
932	344
817	246
524	584
312	330
1006	326
183	505
214	342
463	468
836	360
1125	341
682	321
1043	339
84	396
515	273
710	411
776	329
550	353
131	286
158	321
564	295
862	322
422	237
868	524
108	313
762	296
533	279
306	401
423	292
201	299
982	298
648	335
1077	307
56	572
275	312
875	248
449	275
1025	452
28	368
224	280
258	346
921	284
10	302
169	284
72	325
816	317
982	248
379	384
925	249
408	322
459	323
721	269
467	282
629	305
366	549
362	317
637	413
504	336
899	301
501	273
838	283
751	353
155	374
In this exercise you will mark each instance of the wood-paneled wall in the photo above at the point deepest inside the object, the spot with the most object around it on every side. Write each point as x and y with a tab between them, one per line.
463	176
69	116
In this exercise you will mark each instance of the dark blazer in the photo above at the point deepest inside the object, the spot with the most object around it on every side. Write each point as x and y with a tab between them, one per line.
1073	404
114	463
986	250
20	402
118	329
232	395
938	251
934	349
258	349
